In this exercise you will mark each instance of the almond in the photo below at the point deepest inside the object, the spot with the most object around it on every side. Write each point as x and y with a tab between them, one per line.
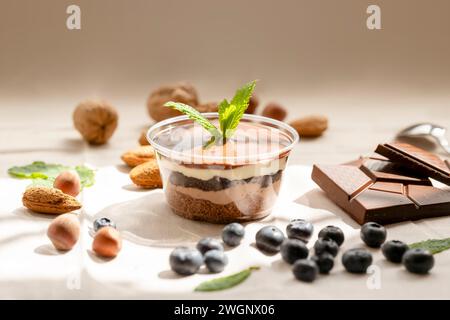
49	200
147	175
143	138
138	156
311	126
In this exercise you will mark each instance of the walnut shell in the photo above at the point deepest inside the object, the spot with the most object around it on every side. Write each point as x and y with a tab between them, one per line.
208	107
180	92
95	120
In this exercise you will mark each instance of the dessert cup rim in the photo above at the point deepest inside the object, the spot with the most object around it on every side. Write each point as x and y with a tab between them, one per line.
293	135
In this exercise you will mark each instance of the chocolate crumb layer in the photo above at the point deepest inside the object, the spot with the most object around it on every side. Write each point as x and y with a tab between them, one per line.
219	183
257	206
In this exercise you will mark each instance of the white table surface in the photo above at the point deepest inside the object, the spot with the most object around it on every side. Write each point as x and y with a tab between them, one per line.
31	268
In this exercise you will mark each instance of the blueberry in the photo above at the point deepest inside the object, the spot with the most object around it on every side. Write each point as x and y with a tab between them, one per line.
325	262
293	250
185	261
103	222
418	261
357	260
373	234
206	244
333	233
233	234
323	245
269	239
394	250
215	260
300	229
305	270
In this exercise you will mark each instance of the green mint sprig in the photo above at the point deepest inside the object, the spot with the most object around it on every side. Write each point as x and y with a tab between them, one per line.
226	282
230	114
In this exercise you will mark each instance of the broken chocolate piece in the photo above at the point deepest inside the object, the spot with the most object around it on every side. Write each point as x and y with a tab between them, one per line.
379	168
379	201
419	160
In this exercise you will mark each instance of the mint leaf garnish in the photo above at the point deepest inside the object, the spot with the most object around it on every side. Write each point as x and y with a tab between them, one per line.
43	174
432	245
194	115
230	114
225	282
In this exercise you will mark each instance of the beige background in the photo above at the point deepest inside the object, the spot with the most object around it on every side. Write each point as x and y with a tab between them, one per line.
312	56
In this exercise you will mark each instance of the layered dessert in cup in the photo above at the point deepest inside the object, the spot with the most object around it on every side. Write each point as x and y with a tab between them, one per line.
237	180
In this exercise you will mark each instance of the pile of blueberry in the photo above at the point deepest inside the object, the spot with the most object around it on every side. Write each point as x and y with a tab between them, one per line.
209	251
293	249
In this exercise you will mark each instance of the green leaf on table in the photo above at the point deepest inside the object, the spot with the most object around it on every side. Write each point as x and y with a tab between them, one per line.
87	176
226	282
432	245
42	182
43	174
37	169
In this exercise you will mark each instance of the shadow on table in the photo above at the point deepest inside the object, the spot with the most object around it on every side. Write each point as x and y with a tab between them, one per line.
123	168
317	199
148	220
48	250
21	213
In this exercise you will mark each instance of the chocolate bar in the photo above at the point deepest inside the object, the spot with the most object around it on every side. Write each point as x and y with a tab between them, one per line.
387	200
419	160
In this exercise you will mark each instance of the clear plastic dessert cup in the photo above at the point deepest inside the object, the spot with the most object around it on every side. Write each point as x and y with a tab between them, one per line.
221	182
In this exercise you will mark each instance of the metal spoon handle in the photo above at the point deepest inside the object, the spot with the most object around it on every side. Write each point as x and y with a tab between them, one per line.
444	143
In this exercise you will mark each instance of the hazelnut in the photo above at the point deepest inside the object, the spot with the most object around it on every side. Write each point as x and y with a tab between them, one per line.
95	120
181	92
68	182
275	111
107	242
64	231
252	104
208	107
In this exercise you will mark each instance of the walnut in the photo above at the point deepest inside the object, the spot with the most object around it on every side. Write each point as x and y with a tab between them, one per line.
180	92
95	120
208	107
